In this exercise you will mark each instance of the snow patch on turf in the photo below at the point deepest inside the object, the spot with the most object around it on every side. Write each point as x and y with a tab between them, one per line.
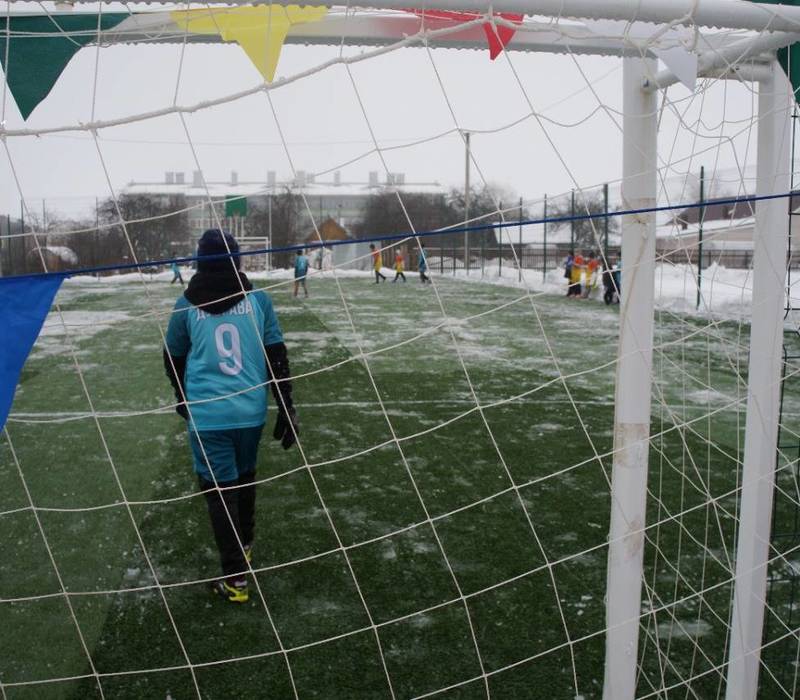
82	323
683	629
548	427
707	396
75	325
567	537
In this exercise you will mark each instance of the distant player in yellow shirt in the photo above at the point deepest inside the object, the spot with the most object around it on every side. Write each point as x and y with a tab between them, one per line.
377	263
590	274
399	266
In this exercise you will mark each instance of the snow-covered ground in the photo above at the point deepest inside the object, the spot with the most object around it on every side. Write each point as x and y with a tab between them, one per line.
726	294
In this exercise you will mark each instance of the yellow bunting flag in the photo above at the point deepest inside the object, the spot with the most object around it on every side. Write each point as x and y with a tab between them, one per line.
259	30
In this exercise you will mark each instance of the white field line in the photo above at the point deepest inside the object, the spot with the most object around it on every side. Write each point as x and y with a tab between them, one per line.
68	416
48	416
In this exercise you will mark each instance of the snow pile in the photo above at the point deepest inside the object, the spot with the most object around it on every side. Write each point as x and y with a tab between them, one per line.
66	255
725	293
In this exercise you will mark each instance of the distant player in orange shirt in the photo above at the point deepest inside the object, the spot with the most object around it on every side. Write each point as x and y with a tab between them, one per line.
377	264
399	266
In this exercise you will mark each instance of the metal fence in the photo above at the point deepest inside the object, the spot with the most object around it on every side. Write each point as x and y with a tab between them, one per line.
498	261
14	248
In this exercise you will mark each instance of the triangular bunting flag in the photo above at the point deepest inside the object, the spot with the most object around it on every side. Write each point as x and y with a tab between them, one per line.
24	304
789	58
39	48
497	40
681	61
259	30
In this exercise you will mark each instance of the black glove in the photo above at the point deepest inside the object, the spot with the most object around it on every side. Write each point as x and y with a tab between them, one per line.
175	368
286	428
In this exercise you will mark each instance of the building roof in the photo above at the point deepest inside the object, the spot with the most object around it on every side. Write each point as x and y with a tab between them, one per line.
716	210
220	190
717	227
329	230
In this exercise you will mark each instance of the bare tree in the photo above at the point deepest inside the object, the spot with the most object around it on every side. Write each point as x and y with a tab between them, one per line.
588	233
158	227
488	204
384	215
285	211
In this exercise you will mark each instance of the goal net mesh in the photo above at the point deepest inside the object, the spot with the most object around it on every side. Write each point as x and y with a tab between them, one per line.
441	527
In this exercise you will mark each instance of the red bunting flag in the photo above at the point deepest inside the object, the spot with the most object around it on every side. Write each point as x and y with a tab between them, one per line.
498	36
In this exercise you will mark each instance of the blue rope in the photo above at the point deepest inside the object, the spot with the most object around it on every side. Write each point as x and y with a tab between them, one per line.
403	236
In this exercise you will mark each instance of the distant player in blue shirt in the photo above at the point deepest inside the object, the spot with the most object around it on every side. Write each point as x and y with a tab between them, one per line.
176	274
223	343
422	265
300	272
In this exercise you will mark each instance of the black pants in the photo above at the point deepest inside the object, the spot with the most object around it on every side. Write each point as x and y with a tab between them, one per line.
240	504
423	277
399	275
378	276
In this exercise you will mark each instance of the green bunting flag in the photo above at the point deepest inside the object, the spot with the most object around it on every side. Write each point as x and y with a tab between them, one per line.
789	58
39	48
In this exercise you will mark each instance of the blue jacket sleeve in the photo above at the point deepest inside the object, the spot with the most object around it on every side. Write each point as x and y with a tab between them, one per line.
177	339
277	356
177	348
272	329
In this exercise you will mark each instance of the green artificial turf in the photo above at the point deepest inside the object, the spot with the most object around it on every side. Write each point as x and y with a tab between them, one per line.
438	477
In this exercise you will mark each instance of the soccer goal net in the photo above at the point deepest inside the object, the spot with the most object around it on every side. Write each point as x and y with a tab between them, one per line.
544	356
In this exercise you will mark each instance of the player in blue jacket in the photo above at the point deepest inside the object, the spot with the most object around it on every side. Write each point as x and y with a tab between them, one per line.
176	274
300	272
223	343
422	265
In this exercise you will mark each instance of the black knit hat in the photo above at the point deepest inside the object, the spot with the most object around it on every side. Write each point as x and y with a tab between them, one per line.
216	242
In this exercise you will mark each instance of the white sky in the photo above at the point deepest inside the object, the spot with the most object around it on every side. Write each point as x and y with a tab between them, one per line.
322	121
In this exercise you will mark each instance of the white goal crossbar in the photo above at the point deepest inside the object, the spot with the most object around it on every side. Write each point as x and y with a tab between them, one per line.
708	13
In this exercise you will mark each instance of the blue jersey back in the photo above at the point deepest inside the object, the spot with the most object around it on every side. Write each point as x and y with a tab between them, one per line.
226	370
300	266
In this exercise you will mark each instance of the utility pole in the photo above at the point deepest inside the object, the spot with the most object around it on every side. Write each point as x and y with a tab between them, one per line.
544	259
605	226
701	216
572	221
466	200
519	247
3	246
96	231
269	229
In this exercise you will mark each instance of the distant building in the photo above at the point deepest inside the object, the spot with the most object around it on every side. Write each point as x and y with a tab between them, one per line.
355	255
727	234
719	209
336	199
